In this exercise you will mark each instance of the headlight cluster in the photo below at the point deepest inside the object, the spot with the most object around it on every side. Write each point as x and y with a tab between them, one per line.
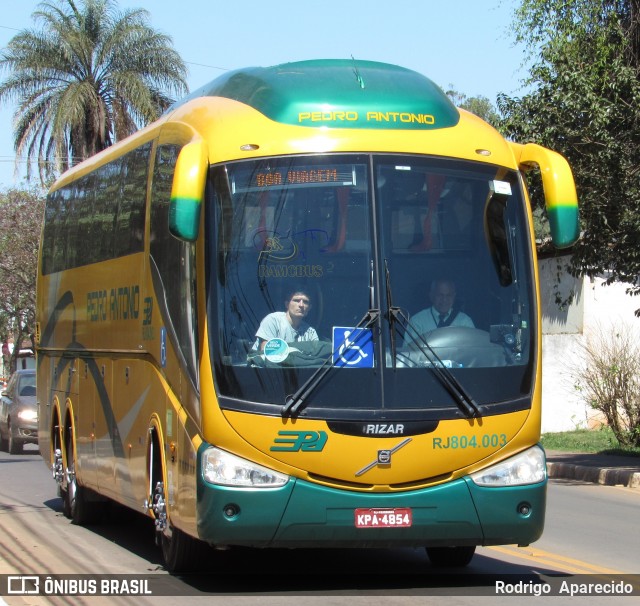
28	415
528	467
221	467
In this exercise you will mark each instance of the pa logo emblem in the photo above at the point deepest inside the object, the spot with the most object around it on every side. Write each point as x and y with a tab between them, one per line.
296	441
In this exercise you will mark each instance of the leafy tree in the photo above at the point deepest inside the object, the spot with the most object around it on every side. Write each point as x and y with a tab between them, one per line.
88	77
585	103
480	106
20	222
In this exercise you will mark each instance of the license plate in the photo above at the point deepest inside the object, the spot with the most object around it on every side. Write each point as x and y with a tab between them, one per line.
383	518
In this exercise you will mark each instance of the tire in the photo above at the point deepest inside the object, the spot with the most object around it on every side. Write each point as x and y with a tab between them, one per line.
4	443
451	557
15	445
182	553
76	505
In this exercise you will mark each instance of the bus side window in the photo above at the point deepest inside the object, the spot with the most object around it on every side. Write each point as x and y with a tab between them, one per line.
173	265
129	226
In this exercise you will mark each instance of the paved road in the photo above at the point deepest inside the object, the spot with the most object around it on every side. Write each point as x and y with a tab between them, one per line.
590	530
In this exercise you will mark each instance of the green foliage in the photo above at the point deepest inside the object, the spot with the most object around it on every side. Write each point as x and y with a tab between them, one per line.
585	103
88	77
480	106
600	440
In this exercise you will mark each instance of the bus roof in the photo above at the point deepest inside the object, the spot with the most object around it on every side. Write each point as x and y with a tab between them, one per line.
337	93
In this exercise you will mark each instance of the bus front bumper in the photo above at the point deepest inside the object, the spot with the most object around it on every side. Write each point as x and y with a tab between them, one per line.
303	514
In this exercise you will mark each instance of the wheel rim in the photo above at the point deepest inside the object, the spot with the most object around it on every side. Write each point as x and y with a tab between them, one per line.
160	512
70	473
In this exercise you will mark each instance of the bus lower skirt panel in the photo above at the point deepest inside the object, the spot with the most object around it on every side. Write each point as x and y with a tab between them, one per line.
302	514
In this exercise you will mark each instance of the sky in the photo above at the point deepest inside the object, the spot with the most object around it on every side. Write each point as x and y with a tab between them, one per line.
464	44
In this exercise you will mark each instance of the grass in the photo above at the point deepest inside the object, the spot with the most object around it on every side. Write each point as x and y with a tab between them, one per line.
587	440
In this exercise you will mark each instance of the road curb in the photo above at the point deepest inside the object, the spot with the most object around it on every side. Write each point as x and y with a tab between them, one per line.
608	476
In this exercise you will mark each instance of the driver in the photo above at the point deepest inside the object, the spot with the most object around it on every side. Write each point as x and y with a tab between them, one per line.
288	325
442	312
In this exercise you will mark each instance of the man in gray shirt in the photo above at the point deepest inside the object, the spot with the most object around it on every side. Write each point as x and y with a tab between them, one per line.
288	325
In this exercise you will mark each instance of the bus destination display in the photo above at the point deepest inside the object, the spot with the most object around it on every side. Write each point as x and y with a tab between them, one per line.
300	176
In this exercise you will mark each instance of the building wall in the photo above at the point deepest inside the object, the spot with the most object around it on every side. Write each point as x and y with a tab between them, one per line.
567	329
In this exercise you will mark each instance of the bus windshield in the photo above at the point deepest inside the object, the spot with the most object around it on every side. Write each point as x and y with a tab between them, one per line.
368	285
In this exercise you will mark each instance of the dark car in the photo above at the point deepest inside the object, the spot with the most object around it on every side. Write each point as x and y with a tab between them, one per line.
19	412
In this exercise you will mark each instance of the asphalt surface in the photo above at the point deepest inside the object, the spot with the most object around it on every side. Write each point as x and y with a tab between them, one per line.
610	470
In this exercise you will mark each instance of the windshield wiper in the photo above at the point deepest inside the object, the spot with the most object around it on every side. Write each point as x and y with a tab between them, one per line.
463	399
392	314
294	403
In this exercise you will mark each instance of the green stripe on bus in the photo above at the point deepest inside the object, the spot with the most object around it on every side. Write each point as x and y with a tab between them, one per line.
184	218
564	224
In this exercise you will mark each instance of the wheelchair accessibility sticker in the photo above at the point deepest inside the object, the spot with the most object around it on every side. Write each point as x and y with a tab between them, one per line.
352	347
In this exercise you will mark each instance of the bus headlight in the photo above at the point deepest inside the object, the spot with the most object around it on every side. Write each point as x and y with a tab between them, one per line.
221	467
528	467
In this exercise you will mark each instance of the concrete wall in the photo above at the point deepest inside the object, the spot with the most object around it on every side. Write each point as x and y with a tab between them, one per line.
566	330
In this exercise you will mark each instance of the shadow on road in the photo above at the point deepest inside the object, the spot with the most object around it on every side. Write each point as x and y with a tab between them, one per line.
244	571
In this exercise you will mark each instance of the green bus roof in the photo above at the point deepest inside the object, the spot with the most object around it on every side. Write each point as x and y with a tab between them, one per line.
338	93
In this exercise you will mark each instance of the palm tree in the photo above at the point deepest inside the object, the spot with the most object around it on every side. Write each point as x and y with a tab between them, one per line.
89	77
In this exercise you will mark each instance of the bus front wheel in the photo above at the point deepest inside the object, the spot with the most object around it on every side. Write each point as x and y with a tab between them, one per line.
180	552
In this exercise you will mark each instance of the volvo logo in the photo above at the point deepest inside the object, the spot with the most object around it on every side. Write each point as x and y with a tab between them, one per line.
383	458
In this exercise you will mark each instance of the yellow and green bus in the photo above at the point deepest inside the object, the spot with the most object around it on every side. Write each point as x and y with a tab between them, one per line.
359	187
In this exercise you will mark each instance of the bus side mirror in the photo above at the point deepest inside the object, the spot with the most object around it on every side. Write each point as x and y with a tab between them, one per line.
187	191
559	191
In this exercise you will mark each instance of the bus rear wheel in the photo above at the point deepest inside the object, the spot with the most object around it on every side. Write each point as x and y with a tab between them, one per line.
77	506
451	557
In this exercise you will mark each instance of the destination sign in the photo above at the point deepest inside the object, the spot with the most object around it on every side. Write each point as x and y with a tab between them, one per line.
298	176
